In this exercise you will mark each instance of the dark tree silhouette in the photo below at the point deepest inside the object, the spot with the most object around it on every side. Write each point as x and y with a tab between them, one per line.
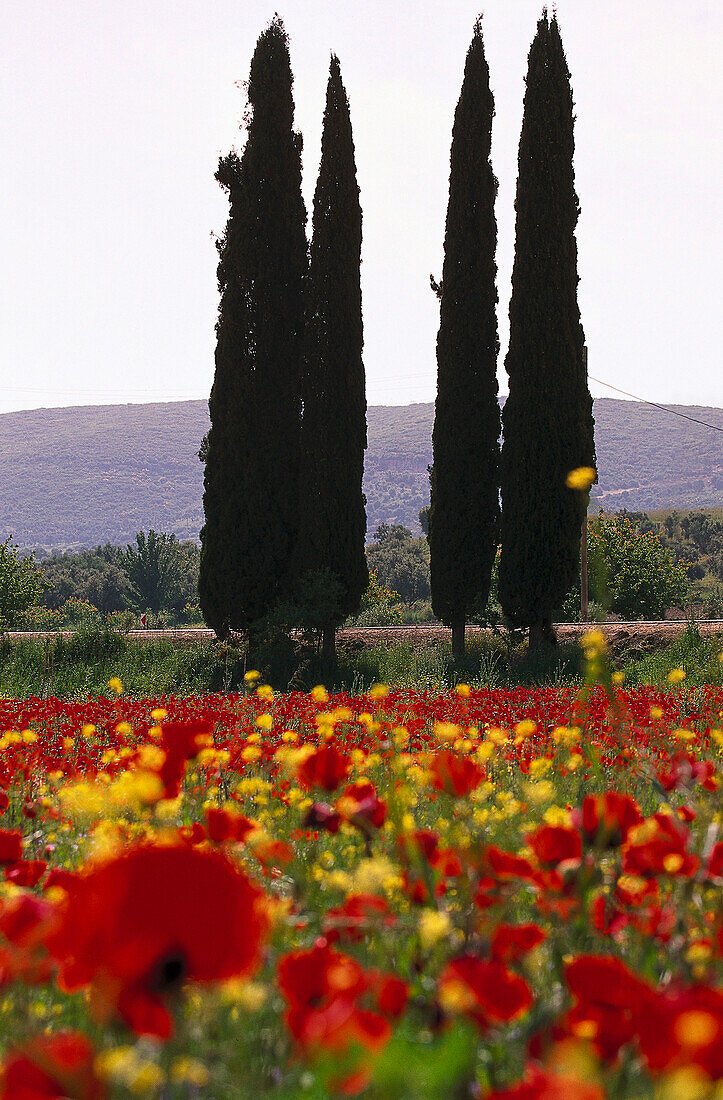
464	513
332	520
547	418
252	456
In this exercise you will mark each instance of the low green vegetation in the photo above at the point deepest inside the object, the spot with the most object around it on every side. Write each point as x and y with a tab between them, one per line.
82	665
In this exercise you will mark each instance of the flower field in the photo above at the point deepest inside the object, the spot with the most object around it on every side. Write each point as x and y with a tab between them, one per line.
484	893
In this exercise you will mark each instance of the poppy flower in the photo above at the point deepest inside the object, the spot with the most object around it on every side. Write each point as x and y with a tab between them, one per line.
325	767
322	816
331	1000
181	741
511	941
611	1002
454	774
224	824
542	1084
358	914
26	872
659	846
138	926
360	805
553	844
505	865
607	818
11	846
52	1066
487	991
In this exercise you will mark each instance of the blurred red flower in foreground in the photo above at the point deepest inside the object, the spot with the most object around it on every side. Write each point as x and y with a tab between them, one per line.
487	991
457	775
325	767
137	927
335	1003
540	1084
52	1066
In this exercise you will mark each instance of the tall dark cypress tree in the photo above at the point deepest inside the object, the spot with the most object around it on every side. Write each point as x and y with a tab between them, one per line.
251	481
334	436
547	418
464	512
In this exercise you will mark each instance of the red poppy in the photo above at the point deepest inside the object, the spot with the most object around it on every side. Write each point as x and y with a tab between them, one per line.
610	1003
227	825
360	805
135	928
457	775
553	844
489	992
607	818
542	1084
52	1066
332	1001
506	865
11	846
27	872
181	741
715	862
358	914
659	846
322	816
511	941
325	767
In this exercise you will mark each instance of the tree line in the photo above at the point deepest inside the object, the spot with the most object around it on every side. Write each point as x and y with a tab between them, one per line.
284	531
640	566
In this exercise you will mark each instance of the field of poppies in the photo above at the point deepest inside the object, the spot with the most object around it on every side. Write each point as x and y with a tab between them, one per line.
483	893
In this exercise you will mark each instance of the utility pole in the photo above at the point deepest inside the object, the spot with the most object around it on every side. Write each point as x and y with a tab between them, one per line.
583	539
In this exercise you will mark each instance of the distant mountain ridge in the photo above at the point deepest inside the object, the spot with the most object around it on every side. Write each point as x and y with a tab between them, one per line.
81	476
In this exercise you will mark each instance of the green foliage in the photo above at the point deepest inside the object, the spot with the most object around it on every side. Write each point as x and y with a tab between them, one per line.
379	605
464	514
95	576
156	570
21	584
251	471
548	425
400	562
631	573
332	520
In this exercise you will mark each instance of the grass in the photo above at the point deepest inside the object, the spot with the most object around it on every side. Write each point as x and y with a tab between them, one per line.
82	665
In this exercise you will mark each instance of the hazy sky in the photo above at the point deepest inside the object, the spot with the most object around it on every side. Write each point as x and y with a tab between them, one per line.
114	116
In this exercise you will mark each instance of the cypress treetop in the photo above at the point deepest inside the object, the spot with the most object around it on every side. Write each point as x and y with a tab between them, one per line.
332	515
251	481
464	512
547	418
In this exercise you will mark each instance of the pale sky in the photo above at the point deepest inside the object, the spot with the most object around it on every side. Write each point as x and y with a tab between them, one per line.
114	116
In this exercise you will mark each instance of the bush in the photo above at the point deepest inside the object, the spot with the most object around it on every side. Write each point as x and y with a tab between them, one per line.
630	572
378	606
21	584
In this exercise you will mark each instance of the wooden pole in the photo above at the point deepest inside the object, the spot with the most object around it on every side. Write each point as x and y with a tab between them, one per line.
583	572
583	538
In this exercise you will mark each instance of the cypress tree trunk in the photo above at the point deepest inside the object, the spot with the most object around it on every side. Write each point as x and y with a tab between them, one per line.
328	642
464	511
458	628
547	418
329	553
251	479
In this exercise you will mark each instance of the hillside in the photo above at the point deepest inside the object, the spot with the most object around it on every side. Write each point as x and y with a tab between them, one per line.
82	476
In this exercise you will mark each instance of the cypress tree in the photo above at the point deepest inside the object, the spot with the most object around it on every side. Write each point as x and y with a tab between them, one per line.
464	512
332	515
547	418
251	480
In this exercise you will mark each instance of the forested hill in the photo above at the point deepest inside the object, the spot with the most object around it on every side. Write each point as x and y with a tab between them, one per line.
82	476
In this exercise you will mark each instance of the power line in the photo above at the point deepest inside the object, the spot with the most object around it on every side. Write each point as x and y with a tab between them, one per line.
655	405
